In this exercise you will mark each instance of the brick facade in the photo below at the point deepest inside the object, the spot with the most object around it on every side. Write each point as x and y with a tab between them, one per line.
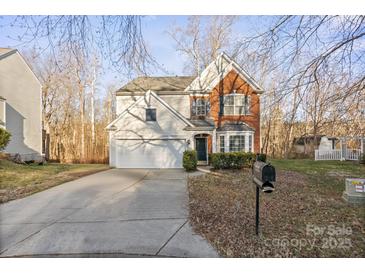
232	81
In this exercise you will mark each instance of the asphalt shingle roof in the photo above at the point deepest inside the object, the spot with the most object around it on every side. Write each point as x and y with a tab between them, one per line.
174	83
235	126
202	123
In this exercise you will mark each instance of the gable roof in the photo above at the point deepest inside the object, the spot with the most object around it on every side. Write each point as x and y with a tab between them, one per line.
158	98
143	84
216	71
6	52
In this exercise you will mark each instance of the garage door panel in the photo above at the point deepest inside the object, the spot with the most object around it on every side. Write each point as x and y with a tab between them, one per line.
149	153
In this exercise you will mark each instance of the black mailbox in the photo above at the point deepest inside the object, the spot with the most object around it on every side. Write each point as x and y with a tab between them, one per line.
264	176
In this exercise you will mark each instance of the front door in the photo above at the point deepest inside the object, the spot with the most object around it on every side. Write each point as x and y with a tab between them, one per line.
201	149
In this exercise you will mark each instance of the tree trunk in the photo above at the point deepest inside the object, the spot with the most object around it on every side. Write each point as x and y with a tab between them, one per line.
82	118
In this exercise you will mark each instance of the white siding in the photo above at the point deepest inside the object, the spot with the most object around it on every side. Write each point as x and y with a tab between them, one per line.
181	103
133	124
2	113
149	153
22	92
137	143
325	144
124	102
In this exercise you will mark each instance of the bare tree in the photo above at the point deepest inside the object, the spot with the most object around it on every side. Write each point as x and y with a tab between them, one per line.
306	47
202	39
118	39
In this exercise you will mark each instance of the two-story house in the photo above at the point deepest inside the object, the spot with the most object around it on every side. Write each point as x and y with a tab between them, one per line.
20	106
158	118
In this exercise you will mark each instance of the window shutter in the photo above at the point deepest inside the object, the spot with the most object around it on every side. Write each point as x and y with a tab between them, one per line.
221	105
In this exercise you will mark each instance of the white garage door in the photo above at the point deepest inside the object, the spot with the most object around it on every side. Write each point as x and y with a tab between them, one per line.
149	153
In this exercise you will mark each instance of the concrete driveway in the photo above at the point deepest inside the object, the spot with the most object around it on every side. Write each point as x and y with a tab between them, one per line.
115	213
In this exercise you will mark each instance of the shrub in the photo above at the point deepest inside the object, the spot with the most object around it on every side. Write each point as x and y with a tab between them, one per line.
261	157
231	160
190	160
362	159
4	138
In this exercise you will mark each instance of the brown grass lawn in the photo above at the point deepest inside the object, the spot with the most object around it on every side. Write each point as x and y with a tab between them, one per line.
17	181
304	217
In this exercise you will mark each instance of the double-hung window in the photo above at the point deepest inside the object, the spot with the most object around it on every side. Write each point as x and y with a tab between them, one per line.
236	104
236	143
200	107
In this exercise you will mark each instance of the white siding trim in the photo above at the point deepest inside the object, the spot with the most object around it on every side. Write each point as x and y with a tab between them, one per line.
159	99
221	74
226	135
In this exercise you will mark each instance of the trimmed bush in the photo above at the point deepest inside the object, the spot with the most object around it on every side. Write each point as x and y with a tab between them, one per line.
261	157
4	138
231	160
190	160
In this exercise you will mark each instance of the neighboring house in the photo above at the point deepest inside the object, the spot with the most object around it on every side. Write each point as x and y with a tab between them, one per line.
20	105
340	148
158	118
306	145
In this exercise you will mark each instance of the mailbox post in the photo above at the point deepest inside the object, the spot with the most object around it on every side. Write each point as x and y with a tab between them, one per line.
264	176
257	209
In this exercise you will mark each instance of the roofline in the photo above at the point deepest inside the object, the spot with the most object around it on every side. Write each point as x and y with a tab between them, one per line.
245	73
141	93
170	108
6	54
240	123
151	93
122	91
108	127
220	75
3	56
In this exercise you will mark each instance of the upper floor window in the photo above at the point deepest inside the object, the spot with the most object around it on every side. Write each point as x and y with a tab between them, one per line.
236	104
200	107
150	114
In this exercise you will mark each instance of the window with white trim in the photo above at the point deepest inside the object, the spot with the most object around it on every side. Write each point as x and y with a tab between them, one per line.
236	143
150	114
200	107
236	104
250	143
221	143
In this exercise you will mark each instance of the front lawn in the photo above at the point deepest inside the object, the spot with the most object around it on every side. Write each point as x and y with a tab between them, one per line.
17	181
304	217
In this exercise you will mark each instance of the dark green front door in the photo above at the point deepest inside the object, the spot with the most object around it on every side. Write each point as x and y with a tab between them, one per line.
201	148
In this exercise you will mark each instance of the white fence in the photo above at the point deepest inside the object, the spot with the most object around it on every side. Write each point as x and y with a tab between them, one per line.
337	154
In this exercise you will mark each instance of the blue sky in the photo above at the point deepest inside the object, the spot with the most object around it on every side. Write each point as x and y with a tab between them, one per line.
159	43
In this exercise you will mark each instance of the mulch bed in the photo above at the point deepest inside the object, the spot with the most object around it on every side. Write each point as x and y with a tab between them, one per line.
296	219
